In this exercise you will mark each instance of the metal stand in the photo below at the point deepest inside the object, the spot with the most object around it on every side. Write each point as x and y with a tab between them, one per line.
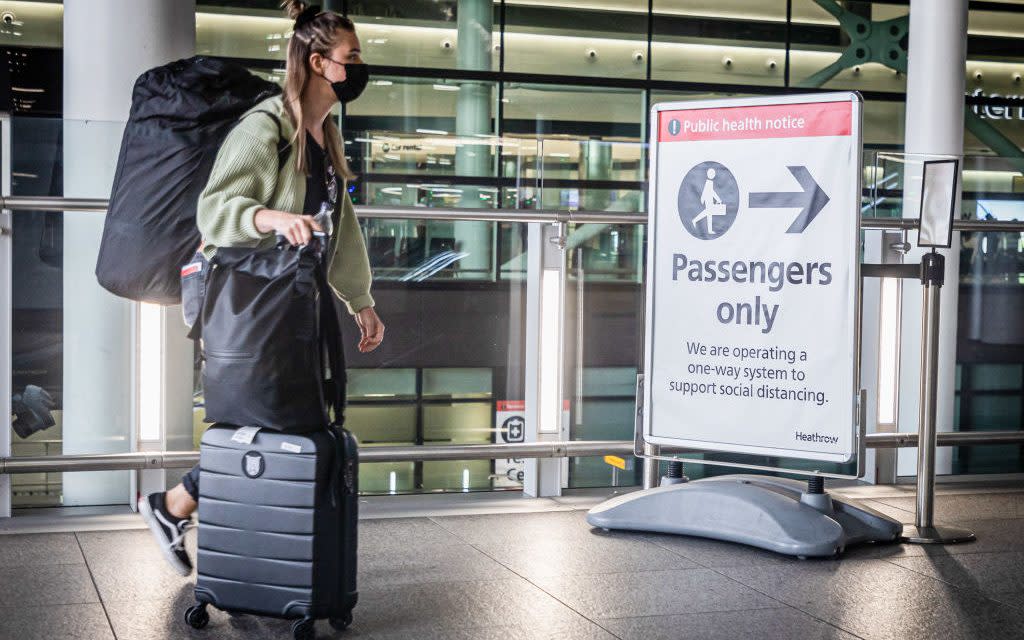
777	514
925	531
650	471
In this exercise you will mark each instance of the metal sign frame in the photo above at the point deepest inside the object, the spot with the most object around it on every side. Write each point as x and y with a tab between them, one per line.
6	305
948	243
644	448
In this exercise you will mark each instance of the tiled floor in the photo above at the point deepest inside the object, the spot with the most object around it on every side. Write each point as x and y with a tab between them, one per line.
498	567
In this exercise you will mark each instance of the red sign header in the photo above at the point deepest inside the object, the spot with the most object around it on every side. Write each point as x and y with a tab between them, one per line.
750	123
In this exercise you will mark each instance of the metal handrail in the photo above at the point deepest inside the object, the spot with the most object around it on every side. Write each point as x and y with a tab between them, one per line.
53	203
99	205
553	449
57	203
909	224
369	454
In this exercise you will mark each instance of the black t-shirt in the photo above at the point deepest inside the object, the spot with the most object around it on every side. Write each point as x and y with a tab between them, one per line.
321	183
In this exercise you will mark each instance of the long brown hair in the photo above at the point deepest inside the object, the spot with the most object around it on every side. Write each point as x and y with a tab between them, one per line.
319	35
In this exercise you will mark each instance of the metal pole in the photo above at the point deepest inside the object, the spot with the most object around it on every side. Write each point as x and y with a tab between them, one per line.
185	459
925	532
6	306
926	443
99	205
650	466
945	439
412	453
651	463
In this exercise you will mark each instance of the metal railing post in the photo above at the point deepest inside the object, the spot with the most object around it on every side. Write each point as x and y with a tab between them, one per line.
651	465
6	307
926	442
924	530
651	476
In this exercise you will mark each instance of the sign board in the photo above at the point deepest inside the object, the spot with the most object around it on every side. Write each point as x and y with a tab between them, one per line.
510	428
753	273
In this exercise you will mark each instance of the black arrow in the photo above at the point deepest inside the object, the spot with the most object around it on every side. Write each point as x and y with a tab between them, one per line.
811	200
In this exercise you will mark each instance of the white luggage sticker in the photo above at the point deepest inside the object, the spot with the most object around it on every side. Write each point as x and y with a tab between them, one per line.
245	435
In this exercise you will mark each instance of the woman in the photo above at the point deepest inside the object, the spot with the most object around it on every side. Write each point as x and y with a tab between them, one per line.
247	202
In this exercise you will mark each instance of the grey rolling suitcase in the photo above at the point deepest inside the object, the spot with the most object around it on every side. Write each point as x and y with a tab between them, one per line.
278	526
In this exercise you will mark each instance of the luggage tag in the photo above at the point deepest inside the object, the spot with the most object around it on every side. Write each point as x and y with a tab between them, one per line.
193	290
245	435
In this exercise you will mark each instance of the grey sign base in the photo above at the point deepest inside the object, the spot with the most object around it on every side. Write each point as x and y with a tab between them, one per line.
776	514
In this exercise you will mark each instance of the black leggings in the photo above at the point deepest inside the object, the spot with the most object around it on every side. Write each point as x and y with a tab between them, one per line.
191	482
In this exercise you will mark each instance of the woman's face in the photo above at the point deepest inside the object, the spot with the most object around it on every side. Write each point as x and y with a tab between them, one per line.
345	51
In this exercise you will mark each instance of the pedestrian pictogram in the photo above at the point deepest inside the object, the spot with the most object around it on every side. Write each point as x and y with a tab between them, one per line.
708	200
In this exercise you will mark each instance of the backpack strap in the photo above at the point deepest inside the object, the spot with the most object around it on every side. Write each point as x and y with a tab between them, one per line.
330	339
282	144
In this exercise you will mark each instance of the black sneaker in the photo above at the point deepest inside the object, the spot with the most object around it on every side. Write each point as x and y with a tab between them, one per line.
169	530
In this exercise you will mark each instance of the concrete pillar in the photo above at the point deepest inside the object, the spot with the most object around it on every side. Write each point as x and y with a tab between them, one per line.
107	44
934	125
473	116
596	165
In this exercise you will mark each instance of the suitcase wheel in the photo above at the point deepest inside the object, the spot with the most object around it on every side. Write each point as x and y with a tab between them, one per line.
303	629
196	616
340	624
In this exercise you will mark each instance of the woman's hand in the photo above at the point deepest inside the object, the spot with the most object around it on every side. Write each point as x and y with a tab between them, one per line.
297	229
372	329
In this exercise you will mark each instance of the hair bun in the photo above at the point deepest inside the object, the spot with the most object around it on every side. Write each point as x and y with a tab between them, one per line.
294	8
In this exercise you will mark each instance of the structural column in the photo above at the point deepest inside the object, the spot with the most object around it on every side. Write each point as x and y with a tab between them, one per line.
107	44
473	117
935	126
597	165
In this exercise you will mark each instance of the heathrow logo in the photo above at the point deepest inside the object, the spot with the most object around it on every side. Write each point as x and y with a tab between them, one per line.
708	200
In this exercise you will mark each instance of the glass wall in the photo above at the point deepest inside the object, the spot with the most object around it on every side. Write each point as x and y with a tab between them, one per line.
543	104
990	344
603	40
434	34
60	406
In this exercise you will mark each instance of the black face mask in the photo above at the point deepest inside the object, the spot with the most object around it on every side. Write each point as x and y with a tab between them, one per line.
356	77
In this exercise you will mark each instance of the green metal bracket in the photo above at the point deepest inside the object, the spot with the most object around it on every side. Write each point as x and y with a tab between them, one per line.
882	42
885	42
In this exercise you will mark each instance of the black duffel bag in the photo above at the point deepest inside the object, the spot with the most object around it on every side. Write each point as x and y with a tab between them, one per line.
267	319
181	112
